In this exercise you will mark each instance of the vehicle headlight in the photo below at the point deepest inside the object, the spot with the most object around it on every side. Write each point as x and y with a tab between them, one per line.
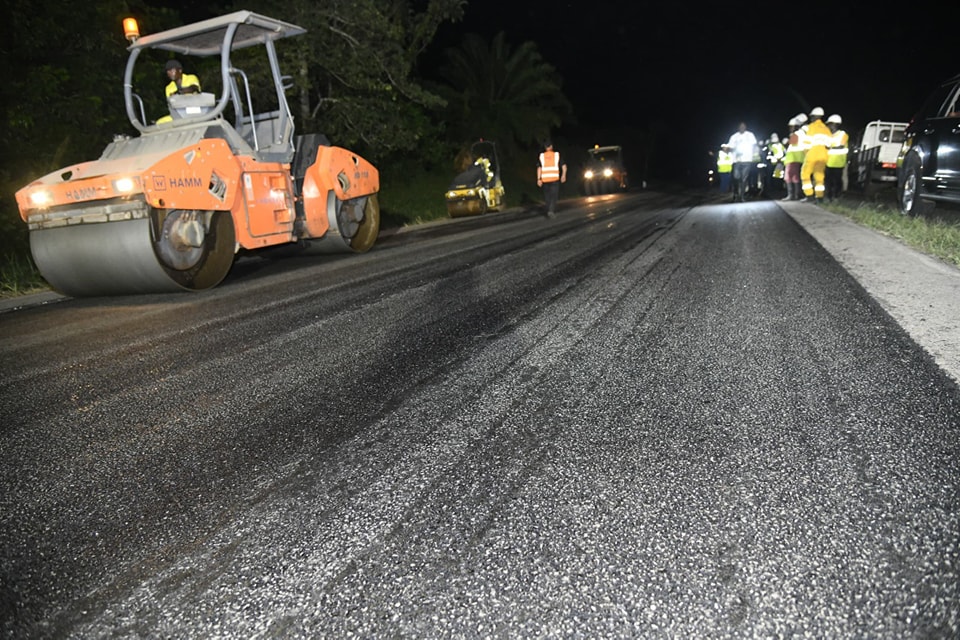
588	174
40	198
125	185
607	173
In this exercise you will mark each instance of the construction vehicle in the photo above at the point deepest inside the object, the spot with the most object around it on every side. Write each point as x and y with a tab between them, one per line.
479	189
169	209
604	171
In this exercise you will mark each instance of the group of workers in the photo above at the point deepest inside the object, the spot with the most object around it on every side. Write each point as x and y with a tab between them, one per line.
811	165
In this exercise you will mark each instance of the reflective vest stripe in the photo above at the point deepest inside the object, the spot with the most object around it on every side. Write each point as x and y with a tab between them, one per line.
549	166
820	140
837	154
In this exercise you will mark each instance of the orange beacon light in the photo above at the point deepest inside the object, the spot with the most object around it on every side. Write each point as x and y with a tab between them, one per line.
131	30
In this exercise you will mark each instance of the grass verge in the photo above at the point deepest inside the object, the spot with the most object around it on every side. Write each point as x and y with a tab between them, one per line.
414	200
19	276
421	198
937	235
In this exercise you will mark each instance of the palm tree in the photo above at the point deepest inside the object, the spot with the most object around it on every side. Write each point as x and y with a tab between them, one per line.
495	92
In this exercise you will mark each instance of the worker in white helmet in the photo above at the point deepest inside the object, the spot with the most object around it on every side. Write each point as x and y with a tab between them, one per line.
774	157
793	160
816	141
836	158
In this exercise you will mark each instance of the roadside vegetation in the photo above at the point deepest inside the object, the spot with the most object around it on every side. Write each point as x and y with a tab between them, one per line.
937	235
19	276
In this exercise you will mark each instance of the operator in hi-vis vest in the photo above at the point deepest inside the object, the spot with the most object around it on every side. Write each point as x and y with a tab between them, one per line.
551	171
180	83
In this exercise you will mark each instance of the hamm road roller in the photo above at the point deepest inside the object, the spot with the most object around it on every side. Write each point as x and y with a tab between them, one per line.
168	209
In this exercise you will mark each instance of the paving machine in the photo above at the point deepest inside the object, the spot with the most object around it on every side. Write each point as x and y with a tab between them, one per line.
479	188
168	209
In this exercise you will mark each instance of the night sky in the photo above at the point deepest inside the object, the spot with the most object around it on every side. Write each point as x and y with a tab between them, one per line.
693	72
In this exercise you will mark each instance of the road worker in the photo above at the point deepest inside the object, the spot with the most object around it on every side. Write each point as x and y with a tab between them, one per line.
793	160
551	172
724	169
836	158
743	145
774	159
816	141
180	83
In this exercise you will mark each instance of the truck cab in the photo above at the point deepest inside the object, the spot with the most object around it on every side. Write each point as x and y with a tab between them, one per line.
873	153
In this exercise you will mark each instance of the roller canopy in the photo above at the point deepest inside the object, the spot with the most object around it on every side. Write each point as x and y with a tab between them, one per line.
205	38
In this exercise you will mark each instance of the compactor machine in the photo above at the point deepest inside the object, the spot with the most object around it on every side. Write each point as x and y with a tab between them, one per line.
604	171
169	209
479	188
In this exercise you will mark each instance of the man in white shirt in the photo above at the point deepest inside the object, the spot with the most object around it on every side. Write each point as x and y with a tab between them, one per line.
743	145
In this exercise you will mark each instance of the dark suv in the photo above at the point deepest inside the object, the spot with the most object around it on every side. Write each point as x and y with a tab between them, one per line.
928	167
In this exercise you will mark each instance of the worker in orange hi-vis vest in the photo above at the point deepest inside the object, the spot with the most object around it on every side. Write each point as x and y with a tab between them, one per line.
551	172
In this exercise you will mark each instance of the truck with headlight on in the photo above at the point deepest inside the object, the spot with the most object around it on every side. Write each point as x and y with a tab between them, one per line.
604	171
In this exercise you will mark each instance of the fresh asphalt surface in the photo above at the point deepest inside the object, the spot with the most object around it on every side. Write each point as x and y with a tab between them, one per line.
650	417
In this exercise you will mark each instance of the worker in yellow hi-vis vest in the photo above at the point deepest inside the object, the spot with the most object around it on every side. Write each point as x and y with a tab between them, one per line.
180	83
725	169
836	158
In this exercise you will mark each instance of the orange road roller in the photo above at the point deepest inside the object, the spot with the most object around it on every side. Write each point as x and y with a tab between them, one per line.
169	209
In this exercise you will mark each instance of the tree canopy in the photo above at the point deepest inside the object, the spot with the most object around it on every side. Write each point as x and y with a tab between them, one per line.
61	99
63	86
354	69
493	90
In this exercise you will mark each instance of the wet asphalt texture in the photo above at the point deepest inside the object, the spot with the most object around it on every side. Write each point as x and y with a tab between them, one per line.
647	417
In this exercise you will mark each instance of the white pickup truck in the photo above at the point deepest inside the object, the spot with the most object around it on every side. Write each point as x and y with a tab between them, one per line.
873	154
